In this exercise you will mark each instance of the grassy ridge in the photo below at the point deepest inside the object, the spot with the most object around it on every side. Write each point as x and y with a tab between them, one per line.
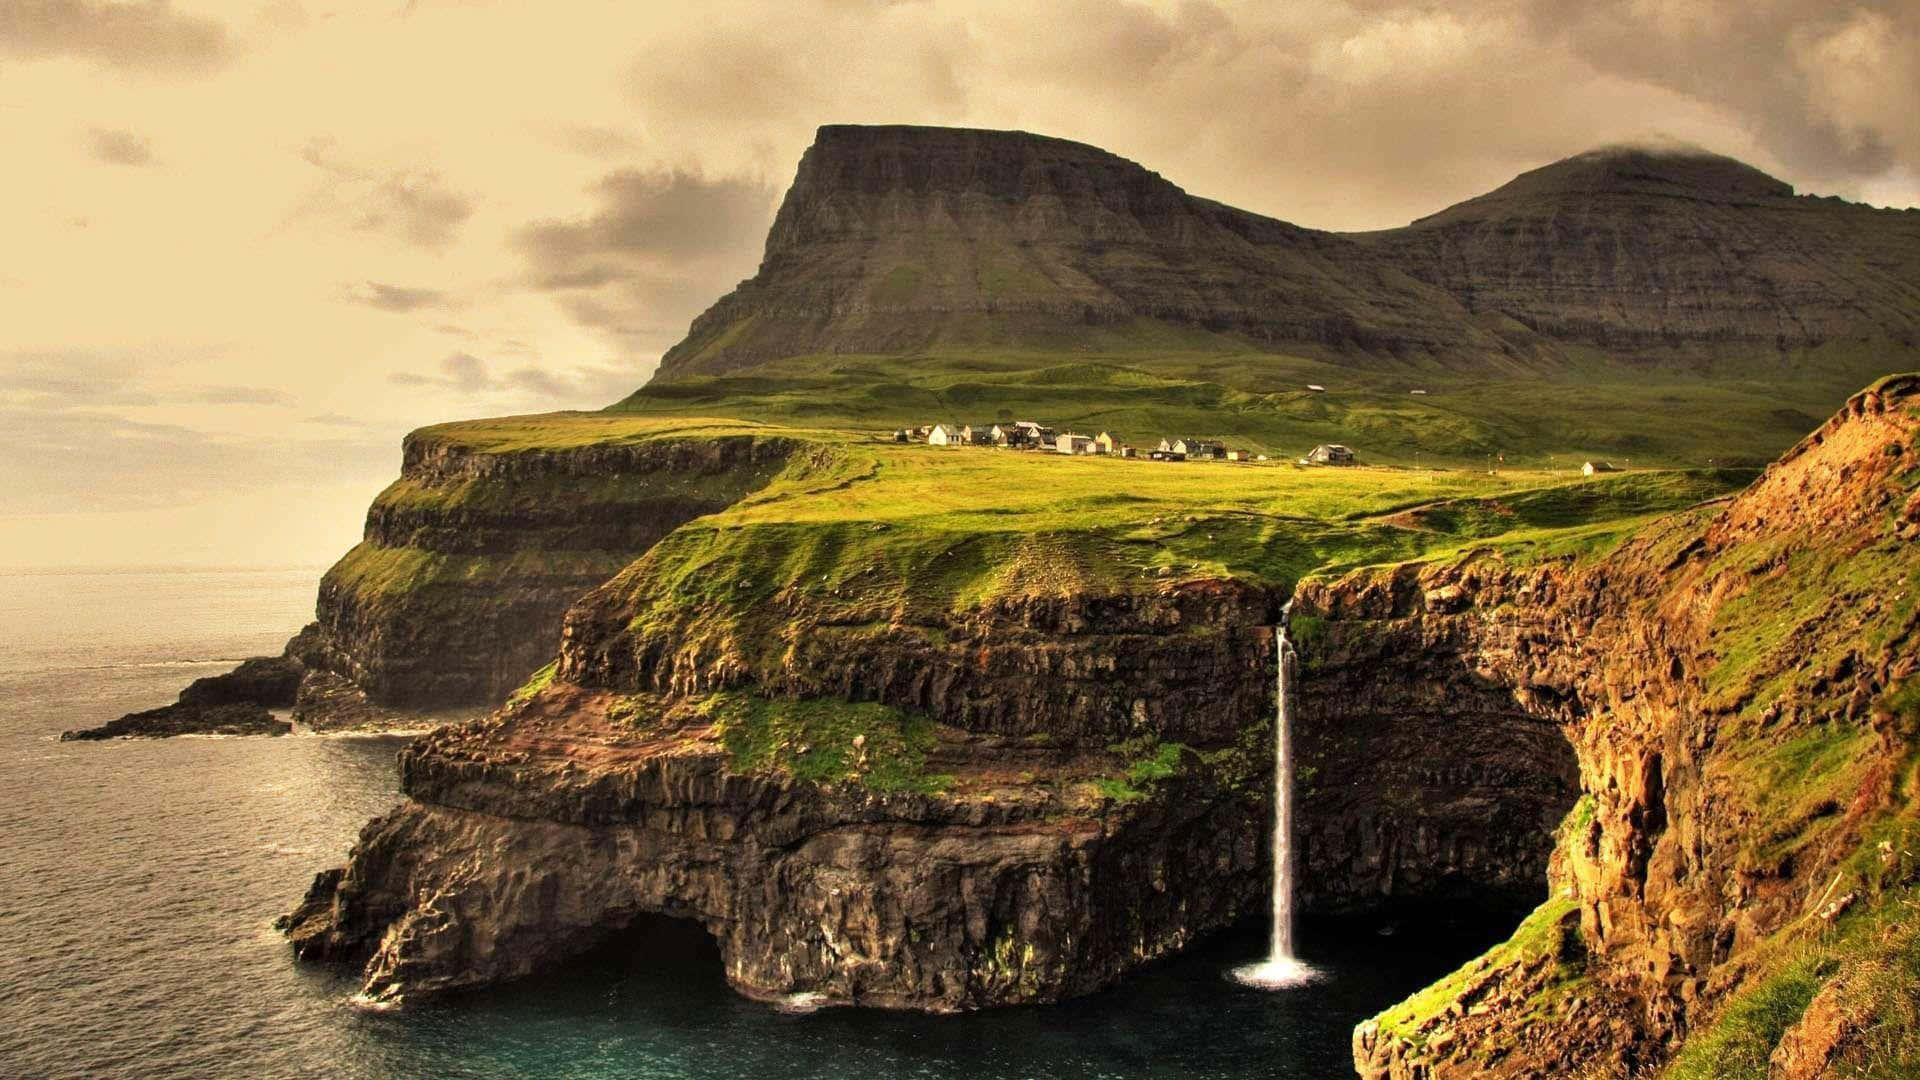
1739	410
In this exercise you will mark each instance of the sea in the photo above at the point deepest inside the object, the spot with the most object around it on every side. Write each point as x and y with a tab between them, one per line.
139	881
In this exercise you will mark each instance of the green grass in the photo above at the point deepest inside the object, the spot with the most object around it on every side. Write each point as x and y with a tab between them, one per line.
859	533
1146	382
1739	1043
535	683
1540	934
825	741
1152	762
423	579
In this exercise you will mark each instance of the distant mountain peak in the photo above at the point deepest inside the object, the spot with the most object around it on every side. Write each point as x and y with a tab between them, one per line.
1680	171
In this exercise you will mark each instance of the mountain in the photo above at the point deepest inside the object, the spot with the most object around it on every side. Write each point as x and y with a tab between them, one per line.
895	241
1630	249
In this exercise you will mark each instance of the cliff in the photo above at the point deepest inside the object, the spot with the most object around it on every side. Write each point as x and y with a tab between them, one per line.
837	852
1736	684
455	595
779	717
890	754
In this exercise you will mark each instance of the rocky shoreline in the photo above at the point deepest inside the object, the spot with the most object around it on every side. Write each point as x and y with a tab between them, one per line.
235	703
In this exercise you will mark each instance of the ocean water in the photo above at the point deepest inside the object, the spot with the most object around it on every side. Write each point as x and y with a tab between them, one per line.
139	881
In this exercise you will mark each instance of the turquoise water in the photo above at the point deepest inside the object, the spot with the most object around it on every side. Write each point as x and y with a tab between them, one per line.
139	881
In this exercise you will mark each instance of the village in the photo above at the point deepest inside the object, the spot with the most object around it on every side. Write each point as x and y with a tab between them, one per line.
1031	436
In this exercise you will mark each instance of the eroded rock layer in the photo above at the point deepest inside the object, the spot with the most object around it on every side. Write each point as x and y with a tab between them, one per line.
1422	777
531	839
471	557
1094	793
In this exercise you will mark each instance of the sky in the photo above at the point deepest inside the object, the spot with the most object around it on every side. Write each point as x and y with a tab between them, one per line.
246	246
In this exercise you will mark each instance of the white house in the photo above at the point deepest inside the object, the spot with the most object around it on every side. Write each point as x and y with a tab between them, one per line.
1074	444
1592	467
943	435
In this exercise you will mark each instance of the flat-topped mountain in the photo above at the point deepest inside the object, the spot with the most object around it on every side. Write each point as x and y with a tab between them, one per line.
896	239
903	240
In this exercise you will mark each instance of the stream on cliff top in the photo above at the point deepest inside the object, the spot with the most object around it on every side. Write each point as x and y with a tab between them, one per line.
139	879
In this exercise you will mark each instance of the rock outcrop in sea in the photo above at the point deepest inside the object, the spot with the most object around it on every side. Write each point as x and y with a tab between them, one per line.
238	702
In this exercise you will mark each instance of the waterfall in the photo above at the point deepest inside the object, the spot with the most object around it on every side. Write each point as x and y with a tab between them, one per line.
1281	968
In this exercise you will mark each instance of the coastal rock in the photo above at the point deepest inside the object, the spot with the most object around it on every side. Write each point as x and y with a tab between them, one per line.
531	837
1037	871
234	703
235	718
471	558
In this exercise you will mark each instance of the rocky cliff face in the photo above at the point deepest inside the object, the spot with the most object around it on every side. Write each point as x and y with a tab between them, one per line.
1017	864
1690	743
895	240
1422	777
1736	685
472	556
1092	791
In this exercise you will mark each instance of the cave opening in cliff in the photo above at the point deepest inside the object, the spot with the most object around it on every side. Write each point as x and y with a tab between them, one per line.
656	949
1429	785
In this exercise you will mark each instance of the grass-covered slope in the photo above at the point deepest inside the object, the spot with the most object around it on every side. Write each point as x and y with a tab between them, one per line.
1737	406
496	526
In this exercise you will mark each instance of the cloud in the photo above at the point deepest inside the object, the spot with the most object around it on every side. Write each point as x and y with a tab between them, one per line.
70	445
71	379
466	373
584	386
238	395
90	461
63	380
117	147
597	141
148	38
1369	112
398	298
1828	87
656	249
412	205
